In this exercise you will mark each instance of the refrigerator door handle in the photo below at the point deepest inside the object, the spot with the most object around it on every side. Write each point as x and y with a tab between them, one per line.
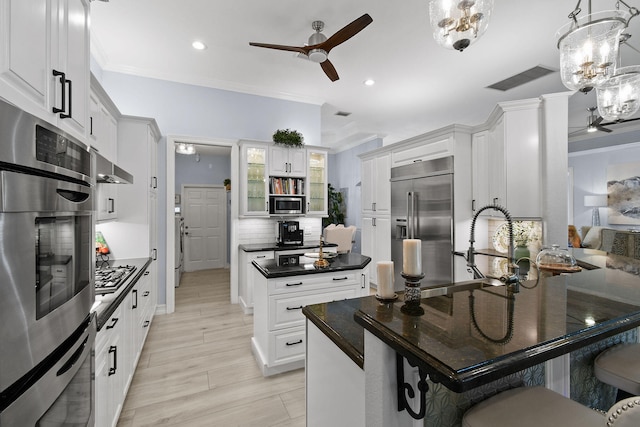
410	215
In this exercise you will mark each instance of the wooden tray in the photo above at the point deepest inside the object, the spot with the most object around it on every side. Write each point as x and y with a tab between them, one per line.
559	268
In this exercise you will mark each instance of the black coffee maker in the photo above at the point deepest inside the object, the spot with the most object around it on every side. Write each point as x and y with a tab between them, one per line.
289	233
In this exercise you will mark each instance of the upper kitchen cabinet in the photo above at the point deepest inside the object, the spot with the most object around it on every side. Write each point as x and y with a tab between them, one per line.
316	182
253	174
137	144
285	161
103	122
376	196
44	60
506	165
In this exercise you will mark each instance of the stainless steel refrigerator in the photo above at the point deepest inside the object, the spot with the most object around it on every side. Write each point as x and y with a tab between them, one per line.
422	208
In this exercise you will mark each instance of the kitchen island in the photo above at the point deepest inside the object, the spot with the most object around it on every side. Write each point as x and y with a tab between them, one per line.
280	293
474	340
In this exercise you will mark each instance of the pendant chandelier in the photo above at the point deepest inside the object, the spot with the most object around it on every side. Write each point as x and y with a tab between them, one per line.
619	97
457	24
589	46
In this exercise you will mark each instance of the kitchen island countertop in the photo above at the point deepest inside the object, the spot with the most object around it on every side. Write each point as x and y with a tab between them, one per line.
566	312
105	305
270	269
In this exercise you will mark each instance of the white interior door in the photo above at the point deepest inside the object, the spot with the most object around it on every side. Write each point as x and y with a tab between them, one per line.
205	223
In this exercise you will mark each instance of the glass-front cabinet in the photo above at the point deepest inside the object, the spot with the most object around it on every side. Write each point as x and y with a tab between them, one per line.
254	196
316	182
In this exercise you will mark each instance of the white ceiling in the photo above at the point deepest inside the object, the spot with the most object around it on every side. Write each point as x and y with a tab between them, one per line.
419	85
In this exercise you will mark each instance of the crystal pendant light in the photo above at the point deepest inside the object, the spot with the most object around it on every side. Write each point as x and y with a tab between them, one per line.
589	48
182	148
459	23
619	97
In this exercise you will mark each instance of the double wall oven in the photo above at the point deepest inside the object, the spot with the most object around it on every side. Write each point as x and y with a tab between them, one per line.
46	269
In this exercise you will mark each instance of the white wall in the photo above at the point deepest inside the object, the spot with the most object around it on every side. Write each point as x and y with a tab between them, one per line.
590	177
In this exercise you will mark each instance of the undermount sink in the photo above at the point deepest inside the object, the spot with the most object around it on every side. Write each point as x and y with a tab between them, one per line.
459	287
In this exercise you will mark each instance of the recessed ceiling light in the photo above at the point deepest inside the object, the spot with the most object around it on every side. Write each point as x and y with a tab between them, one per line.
198	45
369	82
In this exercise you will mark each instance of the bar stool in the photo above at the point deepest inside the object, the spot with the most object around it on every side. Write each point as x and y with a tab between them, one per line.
619	366
541	407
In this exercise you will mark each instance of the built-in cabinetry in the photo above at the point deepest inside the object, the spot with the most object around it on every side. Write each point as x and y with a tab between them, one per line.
246	277
376	209
44	60
507	160
118	346
103	138
285	161
316	182
279	339
268	169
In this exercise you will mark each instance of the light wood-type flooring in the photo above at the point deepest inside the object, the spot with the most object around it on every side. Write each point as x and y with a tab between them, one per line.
197	368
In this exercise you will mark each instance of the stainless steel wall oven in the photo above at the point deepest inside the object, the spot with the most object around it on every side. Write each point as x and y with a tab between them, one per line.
46	266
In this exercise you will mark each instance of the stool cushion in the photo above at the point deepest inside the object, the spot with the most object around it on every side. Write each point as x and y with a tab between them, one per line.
531	407
619	366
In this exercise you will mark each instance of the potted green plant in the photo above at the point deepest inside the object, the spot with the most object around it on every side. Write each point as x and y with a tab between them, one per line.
227	184
288	137
335	208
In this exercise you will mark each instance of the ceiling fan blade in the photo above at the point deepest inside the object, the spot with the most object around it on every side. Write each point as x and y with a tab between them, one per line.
345	33
603	129
597	121
281	47
329	70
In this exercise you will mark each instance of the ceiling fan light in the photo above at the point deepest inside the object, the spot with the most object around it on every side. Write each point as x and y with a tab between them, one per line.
457	24
619	97
317	55
589	49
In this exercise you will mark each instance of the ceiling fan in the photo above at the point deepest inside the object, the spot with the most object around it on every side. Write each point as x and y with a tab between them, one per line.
594	123
319	46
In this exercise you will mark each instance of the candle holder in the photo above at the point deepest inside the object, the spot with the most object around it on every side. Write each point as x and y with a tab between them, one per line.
411	304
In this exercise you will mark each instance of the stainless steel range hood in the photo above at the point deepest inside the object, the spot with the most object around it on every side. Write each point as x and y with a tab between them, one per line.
107	172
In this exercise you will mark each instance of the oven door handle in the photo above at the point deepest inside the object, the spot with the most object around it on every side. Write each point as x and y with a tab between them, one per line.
73	196
73	359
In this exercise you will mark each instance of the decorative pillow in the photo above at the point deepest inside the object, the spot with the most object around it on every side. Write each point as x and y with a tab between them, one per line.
592	239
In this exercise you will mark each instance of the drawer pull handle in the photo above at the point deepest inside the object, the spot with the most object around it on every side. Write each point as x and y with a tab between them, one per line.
114	320
294	342
294	308
146	323
294	284
261	256
340	278
145	294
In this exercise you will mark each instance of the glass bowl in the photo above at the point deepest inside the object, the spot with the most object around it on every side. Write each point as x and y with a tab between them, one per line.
556	260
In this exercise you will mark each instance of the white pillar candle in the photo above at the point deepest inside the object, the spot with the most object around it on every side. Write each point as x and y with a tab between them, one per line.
412	257
385	279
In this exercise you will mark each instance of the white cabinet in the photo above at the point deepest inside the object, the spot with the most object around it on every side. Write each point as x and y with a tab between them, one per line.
376	241
421	148
103	122
506	165
137	144
246	278
317	198
118	346
278	341
44	60
112	371
376	188
253	177
285	161
107	195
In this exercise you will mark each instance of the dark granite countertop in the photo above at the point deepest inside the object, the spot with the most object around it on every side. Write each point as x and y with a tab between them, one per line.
257	247
545	319
110	302
342	262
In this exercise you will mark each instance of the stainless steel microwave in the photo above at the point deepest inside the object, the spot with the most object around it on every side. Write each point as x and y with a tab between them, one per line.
286	205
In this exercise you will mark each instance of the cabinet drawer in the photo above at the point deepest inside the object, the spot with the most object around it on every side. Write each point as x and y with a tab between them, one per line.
286	311
288	345
313	281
